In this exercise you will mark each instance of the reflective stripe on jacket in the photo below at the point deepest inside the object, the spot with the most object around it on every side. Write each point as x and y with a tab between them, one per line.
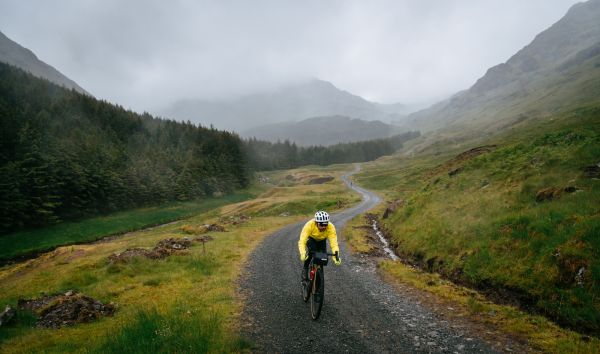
310	229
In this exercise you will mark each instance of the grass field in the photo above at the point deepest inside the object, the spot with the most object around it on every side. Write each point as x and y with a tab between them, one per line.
183	303
34	241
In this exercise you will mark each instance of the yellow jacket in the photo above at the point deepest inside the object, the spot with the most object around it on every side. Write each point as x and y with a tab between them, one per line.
310	230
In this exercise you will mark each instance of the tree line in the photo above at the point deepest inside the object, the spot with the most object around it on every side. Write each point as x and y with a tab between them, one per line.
264	155
65	155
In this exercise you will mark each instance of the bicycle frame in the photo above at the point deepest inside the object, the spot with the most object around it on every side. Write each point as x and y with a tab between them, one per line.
316	282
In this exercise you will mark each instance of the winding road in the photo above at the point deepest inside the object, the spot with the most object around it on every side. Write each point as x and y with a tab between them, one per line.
361	312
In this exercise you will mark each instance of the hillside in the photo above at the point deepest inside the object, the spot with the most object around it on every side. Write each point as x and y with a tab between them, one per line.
289	103
559	70
322	131
516	217
14	54
64	156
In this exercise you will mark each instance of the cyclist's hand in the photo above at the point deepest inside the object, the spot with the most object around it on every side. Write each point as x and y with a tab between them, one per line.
303	257
337	261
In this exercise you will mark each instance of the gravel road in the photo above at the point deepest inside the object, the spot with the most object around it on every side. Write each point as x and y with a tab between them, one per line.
361	313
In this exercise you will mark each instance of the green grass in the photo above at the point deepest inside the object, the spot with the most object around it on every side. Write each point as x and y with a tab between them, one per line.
484	226
180	330
39	240
185	303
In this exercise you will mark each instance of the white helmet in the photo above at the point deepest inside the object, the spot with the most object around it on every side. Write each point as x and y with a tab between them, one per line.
321	216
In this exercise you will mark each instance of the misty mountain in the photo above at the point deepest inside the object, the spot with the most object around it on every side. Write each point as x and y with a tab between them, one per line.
323	131
14	54
558	70
313	98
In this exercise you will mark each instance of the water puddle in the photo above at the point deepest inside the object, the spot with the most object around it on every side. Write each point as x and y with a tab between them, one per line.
386	247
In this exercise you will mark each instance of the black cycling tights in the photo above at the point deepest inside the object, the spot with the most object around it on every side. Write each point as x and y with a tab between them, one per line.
315	246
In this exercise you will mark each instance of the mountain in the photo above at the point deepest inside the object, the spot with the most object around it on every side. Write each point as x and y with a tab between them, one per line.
313	98
323	131
558	70
14	54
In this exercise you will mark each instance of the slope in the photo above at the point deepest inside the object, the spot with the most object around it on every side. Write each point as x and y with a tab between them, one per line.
14	54
517	217
558	71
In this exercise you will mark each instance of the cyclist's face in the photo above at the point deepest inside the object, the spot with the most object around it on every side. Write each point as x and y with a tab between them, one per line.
321	226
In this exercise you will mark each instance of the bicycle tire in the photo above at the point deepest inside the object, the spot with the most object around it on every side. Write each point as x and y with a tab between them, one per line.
318	294
306	287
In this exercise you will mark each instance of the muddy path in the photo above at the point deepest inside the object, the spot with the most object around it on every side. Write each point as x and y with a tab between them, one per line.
361	313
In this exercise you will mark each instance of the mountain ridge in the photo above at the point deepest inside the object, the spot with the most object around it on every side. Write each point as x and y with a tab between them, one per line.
15	54
558	69
287	103
323	131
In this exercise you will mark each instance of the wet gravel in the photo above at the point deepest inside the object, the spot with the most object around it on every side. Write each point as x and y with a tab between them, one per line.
361	313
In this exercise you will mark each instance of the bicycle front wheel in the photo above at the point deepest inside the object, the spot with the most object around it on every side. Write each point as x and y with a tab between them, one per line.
318	294
306	286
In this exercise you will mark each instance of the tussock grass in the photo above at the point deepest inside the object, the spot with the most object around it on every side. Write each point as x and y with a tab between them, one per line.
355	235
541	333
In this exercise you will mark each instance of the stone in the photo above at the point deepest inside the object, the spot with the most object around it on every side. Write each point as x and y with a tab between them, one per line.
7	315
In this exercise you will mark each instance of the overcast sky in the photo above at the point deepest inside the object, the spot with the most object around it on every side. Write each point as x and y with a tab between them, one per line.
147	54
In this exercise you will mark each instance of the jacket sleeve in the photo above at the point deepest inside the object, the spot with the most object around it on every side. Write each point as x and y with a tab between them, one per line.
303	238
332	236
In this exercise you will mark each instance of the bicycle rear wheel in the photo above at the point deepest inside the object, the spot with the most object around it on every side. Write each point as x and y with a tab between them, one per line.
318	294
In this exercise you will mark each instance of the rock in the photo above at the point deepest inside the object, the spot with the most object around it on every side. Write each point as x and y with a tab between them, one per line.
548	194
571	189
285	214
454	171
163	249
234	219
579	278
320	180
214	227
392	206
204	238
56	311
7	315
572	270
128	254
592	171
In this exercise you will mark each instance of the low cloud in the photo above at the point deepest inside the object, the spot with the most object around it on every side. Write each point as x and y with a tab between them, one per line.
147	54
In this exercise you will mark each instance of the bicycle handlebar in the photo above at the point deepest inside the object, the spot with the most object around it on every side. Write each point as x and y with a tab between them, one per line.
336	254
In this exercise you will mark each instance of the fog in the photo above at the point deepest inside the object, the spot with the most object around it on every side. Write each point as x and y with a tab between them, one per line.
145	55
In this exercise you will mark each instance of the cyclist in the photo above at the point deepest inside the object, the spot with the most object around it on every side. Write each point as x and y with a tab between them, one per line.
314	235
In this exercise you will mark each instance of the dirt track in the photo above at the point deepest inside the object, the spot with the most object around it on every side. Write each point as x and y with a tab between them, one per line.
361	313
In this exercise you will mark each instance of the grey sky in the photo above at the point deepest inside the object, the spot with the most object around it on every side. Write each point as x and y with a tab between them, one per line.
147	54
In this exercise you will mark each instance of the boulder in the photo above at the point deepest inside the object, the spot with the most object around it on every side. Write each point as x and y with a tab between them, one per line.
7	315
548	194
55	311
592	171
392	206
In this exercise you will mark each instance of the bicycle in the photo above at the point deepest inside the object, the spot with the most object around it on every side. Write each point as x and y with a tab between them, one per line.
315	283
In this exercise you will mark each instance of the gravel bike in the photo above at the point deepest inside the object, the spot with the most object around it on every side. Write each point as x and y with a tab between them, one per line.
315	283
